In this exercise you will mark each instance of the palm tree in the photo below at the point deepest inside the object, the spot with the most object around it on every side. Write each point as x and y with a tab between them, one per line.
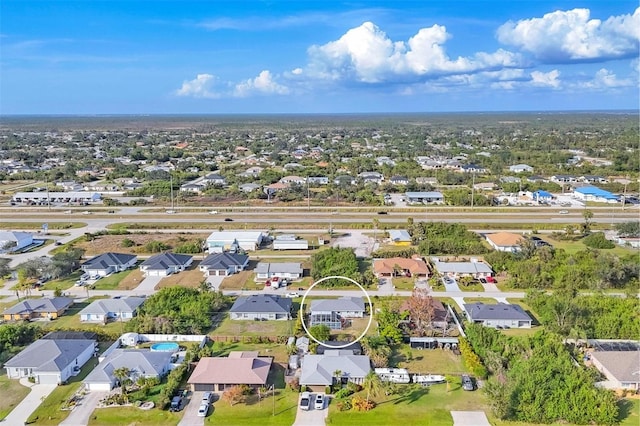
338	375
122	374
373	385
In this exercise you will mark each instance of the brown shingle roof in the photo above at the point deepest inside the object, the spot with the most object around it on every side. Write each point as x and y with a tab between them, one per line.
385	266
505	239
233	371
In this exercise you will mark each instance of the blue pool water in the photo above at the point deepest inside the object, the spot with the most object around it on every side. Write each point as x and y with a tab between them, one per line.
165	347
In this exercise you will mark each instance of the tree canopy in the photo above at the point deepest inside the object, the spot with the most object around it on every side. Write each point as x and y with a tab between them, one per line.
335	261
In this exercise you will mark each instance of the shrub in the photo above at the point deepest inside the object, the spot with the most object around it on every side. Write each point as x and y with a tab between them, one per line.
127	243
358	403
328	390
343	405
343	393
597	240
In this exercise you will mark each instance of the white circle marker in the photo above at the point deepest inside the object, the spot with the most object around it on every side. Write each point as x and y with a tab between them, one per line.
306	293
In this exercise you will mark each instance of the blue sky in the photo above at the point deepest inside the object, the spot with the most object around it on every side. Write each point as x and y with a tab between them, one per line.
244	56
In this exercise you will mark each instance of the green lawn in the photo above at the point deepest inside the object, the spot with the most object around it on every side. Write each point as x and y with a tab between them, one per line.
111	282
71	320
254	412
230	327
419	406
485	300
436	361
12	393
133	416
404	283
49	413
476	287
629	412
576	246
63	283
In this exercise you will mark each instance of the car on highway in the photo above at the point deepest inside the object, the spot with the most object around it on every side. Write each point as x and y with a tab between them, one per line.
213	212
203	409
319	404
564	212
382	212
228	219
293	295
305	401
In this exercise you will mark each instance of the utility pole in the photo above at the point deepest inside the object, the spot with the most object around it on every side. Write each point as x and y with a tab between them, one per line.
308	197
273	392
473	187
46	183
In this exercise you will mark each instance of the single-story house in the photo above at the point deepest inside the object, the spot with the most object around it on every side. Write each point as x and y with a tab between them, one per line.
427	197
108	263
371	177
505	241
216	374
331	345
164	264
440	317
103	310
14	241
290	242
394	266
592	193
219	241
400	237
318	180
561	179
288	270
249	187
44	307
223	264
140	362
344	180
399	180
214	179
541	196
621	368
633	242
472	269
521	168
334	312
498	315
318	370
261	307
51	361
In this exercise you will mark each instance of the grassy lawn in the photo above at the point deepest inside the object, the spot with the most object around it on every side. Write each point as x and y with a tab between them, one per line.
449	301
230	327
475	287
418	406
38	225
436	361
133	416
191	278
485	300
255	412
112	281
12	393
71	320
403	283
49	413
629	412
239	281
131	280
576	246
63	283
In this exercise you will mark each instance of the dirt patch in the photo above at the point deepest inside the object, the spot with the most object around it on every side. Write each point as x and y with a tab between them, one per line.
191	278
239	281
131	281
113	243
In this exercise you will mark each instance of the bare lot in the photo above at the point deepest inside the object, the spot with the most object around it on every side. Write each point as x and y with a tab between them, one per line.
192	278
106	243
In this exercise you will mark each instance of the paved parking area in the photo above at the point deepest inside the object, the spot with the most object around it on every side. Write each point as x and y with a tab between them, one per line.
191	405
312	417
362	244
470	418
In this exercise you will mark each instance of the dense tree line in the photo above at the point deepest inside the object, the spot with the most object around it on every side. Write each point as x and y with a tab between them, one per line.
14	337
178	310
535	379
335	261
587	316
445	238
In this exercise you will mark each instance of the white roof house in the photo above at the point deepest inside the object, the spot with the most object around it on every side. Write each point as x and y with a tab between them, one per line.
219	241
13	241
318	370
458	269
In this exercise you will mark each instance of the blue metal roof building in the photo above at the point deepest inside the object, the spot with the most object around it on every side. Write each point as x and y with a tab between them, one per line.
592	193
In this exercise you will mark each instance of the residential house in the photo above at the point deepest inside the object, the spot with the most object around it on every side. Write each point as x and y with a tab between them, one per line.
541	197
275	187
621	368
394	266
399	237
344	180
592	193
109	263
563	179
535	179
441	315
224	264
505	241
297	180
261	307
484	186
51	362
289	270
371	177
44	307
252	172
12	241
318	371
249	187
290	242
104	310
216	374
633	242
473	168
521	168
140	362
220	241
214	179
192	187
428	197
509	179
474	269
318	180
500	315
593	179
164	264
422	180
335	313
399	180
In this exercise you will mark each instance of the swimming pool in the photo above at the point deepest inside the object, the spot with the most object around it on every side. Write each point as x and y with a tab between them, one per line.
165	347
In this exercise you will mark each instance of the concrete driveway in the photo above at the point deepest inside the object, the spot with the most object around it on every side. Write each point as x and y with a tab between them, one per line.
451	287
470	418
214	282
312	417
81	413
147	286
22	411
191	405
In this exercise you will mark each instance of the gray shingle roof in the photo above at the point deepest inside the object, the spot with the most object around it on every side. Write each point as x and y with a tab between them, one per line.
624	366
502	311
224	260
462	267
43	305
143	361
319	369
165	261
338	305
279	268
262	303
50	355
104	306
107	260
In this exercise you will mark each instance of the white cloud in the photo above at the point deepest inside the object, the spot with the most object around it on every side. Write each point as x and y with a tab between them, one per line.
199	87
545	79
263	84
366	55
565	36
605	79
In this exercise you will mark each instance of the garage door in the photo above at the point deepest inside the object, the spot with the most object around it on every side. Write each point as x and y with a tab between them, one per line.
99	387
49	379
203	388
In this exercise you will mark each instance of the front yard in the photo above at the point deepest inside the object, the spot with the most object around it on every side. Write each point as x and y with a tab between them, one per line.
190	278
12	393
436	361
133	416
